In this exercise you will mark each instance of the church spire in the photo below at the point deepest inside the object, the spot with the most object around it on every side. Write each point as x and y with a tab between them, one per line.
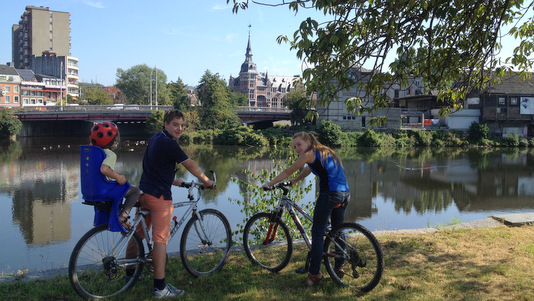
248	54
248	66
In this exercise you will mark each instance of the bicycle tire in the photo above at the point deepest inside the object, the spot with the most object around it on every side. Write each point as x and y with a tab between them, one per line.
362	257
95	272
273	255
200	256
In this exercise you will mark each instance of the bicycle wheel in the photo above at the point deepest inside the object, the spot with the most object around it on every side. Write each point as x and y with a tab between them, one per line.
356	249
97	265
267	243
205	244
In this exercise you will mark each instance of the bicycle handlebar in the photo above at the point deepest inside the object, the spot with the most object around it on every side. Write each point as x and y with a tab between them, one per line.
200	184
281	185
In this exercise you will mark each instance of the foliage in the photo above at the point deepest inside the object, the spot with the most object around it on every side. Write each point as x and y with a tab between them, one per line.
9	124
478	132
178	95
154	122
329	133
135	84
296	100
242	135
511	140
217	109
256	200
442	42
369	138
97	96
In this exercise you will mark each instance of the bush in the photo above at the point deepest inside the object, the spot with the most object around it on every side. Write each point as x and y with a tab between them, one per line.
478	132
511	140
329	133
369	139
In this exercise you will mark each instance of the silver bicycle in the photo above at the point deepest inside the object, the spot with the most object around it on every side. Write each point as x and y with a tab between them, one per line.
99	266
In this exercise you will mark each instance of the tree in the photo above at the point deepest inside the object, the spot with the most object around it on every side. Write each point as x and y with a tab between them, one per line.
443	42
135	84
9	124
214	95
297	101
178	95
97	96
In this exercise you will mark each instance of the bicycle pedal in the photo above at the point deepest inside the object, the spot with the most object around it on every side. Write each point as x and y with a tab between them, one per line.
301	271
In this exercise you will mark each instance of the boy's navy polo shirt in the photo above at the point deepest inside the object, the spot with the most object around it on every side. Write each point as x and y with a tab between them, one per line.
159	164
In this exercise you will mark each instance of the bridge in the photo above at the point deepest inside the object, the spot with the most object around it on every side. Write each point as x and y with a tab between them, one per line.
132	113
63	120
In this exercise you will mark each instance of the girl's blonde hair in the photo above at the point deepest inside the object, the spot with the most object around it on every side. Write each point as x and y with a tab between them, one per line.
324	150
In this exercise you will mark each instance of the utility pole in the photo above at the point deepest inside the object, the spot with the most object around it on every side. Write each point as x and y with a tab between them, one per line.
156	70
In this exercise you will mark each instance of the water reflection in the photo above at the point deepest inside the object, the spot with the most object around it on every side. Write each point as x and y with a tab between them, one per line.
39	189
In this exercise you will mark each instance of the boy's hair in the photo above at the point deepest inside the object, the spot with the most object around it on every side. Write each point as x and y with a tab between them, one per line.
170	115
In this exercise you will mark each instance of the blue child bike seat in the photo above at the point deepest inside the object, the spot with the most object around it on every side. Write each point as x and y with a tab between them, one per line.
98	191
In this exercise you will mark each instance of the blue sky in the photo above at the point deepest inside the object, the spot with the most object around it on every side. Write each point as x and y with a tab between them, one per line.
181	38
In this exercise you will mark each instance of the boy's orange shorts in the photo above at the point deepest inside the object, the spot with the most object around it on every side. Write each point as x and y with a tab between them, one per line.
159	218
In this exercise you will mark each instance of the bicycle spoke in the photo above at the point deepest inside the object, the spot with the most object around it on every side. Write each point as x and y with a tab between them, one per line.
354	257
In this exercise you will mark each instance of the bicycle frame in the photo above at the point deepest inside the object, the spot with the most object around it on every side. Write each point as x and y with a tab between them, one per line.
288	204
140	218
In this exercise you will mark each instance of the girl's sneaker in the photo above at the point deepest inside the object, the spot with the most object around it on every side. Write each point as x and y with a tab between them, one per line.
313	279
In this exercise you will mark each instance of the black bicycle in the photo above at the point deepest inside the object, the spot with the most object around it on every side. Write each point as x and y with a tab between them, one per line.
268	243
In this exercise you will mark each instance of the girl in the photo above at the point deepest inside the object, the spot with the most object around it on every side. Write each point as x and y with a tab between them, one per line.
333	193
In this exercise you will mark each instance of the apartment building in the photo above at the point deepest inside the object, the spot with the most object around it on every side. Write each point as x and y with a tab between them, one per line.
41	42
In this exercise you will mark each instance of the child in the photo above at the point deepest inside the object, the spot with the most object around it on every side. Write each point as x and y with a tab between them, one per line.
333	193
106	135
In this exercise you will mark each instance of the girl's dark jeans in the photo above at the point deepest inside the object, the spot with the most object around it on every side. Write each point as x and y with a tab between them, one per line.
325	209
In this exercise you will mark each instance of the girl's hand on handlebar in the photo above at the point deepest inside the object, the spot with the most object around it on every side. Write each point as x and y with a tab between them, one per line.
178	182
266	187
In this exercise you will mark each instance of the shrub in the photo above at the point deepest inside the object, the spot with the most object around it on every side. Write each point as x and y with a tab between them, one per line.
477	132
329	133
512	140
369	139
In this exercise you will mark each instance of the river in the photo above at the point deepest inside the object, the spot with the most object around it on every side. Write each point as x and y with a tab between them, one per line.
42	215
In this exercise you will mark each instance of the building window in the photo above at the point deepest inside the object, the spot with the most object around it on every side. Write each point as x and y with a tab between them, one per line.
7	99
25	101
514	101
8	89
16	99
16	89
502	101
363	121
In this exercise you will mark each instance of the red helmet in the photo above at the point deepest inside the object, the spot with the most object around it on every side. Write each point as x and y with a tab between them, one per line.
102	133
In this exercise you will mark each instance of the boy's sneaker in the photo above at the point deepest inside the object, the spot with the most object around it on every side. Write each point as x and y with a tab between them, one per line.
340	272
168	292
313	279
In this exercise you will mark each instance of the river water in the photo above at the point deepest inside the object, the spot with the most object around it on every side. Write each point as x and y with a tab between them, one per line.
42	215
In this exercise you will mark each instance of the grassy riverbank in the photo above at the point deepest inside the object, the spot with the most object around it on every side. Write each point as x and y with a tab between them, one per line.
462	264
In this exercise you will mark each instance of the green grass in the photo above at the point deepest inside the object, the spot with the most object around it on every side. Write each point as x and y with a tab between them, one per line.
472	264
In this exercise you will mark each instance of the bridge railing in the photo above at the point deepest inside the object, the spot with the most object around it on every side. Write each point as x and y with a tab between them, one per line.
269	110
92	108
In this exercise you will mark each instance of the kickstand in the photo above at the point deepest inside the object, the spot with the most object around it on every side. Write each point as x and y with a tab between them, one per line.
304	270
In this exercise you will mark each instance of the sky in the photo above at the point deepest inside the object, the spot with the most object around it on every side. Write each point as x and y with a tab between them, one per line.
181	38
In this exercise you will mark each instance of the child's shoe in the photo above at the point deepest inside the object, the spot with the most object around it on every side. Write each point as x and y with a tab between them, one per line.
313	279
125	223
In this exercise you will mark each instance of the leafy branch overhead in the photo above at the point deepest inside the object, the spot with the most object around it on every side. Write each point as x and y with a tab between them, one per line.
446	43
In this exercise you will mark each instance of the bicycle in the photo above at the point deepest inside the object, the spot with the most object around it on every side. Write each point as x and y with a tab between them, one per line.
268	243
98	264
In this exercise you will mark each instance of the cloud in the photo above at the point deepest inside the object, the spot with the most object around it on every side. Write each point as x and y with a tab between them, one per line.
220	7
95	4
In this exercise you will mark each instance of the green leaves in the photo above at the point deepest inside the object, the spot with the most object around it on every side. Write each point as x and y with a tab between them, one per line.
442	42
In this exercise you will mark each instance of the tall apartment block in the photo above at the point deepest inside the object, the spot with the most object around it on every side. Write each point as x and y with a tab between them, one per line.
41	42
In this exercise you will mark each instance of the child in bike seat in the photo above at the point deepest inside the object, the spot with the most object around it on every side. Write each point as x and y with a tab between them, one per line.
333	193
106	135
